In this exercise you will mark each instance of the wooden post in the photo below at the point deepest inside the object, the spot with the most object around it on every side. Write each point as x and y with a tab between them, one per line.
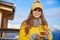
5	25
0	18
0	21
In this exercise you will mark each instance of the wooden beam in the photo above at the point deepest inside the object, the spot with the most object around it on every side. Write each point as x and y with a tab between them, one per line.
6	8
9	30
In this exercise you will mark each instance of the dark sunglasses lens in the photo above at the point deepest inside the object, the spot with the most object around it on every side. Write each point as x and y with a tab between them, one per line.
37	9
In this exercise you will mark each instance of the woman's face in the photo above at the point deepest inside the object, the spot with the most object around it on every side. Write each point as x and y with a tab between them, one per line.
36	13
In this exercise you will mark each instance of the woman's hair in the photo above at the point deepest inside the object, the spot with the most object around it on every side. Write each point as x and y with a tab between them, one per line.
30	21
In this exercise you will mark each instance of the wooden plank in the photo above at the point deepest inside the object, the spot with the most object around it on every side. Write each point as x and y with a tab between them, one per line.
6	8
9	30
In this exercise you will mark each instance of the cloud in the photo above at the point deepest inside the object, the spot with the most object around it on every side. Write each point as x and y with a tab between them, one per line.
53	17
48	2
20	15
53	12
9	1
54	27
16	36
22	1
14	26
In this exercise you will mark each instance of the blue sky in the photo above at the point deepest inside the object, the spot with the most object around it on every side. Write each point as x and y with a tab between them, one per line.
51	9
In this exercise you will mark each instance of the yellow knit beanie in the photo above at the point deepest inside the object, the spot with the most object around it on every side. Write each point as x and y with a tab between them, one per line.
36	4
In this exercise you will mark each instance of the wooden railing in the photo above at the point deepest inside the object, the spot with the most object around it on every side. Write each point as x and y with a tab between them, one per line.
9	30
8	38
6	30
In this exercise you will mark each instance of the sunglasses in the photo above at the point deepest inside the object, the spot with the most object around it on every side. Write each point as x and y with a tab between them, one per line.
39	9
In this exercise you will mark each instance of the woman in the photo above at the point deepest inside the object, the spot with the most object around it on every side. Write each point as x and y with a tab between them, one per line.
35	27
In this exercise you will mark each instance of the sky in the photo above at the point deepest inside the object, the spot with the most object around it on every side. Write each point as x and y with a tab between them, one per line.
51	10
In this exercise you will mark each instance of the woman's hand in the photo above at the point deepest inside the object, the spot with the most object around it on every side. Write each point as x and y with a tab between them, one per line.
40	37
43	34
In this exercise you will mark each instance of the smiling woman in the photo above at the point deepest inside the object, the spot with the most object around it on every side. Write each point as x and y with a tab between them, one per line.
51	13
35	27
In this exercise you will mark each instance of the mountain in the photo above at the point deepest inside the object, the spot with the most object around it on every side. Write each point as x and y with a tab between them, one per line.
12	35
56	35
